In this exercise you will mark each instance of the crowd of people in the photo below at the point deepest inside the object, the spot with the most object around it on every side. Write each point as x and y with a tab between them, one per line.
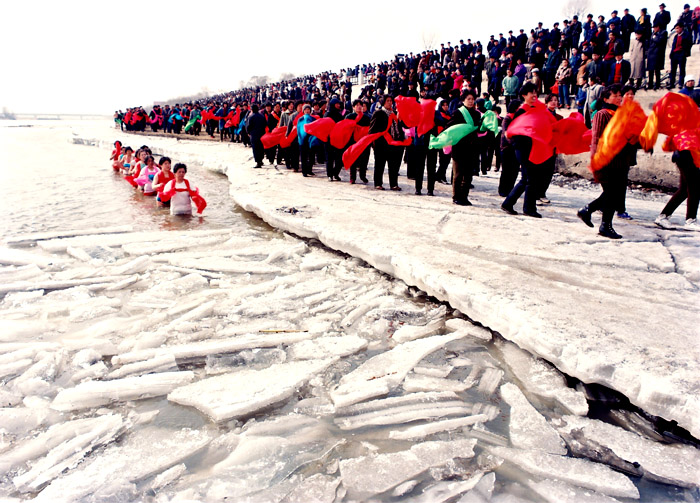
581	67
162	180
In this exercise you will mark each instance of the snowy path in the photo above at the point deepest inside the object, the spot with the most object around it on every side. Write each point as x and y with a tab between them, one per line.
622	314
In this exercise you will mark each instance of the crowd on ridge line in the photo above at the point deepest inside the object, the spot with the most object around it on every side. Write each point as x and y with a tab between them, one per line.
162	180
598	58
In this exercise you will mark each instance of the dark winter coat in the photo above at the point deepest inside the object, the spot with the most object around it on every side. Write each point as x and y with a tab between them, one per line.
656	53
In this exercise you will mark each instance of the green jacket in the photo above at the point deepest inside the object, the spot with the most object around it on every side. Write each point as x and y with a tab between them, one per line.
510	85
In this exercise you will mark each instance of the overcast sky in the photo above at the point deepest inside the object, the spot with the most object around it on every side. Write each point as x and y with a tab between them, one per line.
95	57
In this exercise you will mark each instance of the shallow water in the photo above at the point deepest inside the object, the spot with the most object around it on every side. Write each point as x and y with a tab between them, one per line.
57	185
67	186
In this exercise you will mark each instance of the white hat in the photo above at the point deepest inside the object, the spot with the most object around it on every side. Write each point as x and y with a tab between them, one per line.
688	78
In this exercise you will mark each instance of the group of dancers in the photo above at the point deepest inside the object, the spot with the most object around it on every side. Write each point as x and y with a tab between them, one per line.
162	180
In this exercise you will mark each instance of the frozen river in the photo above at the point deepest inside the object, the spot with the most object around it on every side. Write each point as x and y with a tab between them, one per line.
216	359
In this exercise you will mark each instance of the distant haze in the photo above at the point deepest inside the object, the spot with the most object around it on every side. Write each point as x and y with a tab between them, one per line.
93	57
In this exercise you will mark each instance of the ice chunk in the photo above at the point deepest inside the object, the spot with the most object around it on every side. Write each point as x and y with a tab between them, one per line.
675	464
318	488
268	452
404	488
20	420
423	430
542	380
97	393
419	382
28	239
9	256
404	414
381	373
8	399
12	369
482	491
460	325
374	474
158	364
49	284
230	266
69	452
168	476
447	491
10	274
528	428
135	266
327	347
410	332
55	436
434	370
580	472
555	491
256	389
252	358
216	346
490	380
112	475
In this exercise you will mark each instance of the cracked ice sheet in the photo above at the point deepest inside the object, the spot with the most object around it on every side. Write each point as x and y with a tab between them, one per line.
113	474
381	373
255	389
370	475
675	464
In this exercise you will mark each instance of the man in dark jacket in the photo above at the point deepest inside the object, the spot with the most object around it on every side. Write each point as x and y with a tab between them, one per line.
465	153
620	71
663	17
656	55
334	156
628	24
686	19
255	125
680	50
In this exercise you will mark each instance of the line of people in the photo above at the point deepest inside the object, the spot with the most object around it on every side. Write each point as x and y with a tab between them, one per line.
574	73
167	183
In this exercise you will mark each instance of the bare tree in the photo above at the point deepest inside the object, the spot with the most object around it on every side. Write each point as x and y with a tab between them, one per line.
429	39
576	8
287	76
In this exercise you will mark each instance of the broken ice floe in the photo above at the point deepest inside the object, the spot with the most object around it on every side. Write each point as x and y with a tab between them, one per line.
254	389
381	373
580	472
95	393
528	428
374	474
671	464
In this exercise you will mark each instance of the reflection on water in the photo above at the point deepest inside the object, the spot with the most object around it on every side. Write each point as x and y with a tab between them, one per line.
52	184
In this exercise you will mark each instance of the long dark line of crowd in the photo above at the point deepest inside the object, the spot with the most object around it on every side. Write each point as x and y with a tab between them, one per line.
573	65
